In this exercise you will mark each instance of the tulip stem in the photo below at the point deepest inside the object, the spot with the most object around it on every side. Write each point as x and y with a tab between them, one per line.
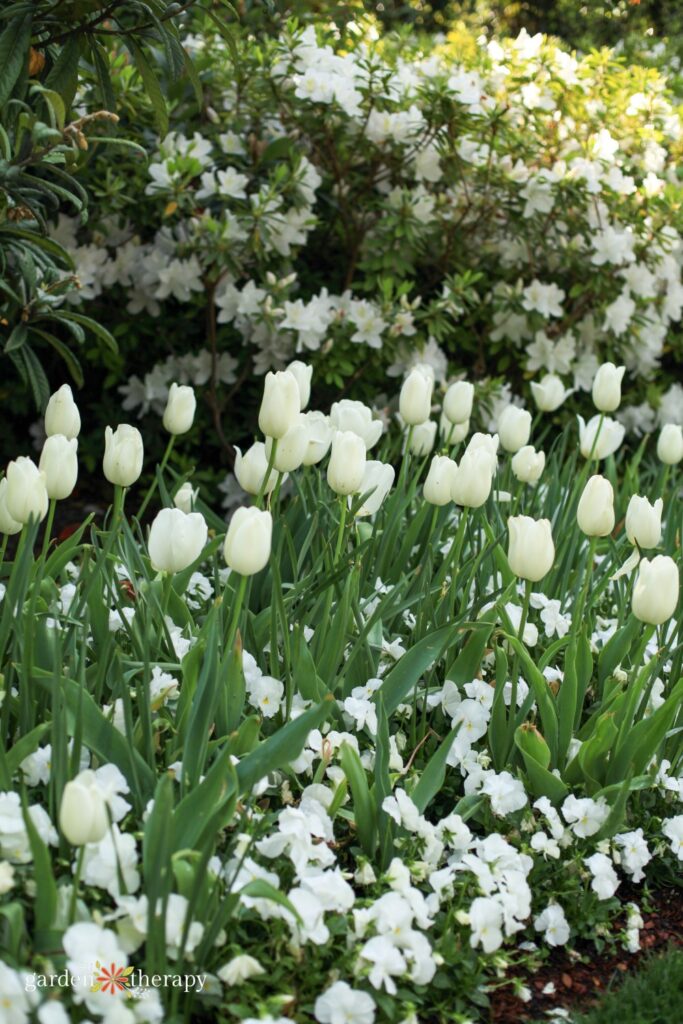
342	527
153	486
76	883
3	548
48	526
578	614
514	678
406	458
269	470
237	608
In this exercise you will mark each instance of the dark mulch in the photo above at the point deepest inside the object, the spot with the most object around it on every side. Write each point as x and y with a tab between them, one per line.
580	983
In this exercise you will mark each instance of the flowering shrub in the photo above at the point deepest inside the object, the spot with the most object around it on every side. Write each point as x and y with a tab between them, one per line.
355	756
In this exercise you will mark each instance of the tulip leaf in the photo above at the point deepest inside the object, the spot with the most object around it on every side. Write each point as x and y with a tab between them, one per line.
434	773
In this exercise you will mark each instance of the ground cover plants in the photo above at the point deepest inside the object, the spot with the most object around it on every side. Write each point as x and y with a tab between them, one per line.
412	720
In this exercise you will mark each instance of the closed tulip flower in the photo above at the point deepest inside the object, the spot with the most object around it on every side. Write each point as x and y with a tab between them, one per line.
180	409
27	496
422	438
247	543
457	402
472	479
291	448
320	434
514	428
123	454
176	539
601	440
670	444
303	374
62	415
8	525
531	552
528	464
83	810
415	401
549	392
440	479
595	512
280	405
186	497
59	463
607	387
251	468
453	433
356	417
487	443
644	522
655	593
378	477
347	463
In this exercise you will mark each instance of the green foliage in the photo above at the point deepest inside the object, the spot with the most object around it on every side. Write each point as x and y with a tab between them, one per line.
653	995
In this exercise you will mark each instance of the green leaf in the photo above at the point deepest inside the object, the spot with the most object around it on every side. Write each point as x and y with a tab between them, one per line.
282	747
14	45
45	903
216	792
432	776
151	84
363	807
25	746
617	647
259	889
403	679
63	76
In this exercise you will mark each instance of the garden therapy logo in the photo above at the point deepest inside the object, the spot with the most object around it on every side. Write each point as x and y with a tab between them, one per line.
112	979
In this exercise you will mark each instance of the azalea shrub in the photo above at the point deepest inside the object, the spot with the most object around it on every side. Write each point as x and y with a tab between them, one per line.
411	722
365	201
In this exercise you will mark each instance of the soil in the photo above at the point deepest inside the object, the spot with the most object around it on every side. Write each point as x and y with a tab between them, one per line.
579	983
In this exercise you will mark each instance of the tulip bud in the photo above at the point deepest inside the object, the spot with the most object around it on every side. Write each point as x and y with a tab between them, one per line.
531	551
303	374
378	478
291	448
59	463
599	439
453	433
62	415
595	512
473	478
356	417
487	443
247	543
180	409
532	743
422	438
83	811
186	497
457	402
607	387
514	427
176	539
655	593
549	393
528	464
347	463
280	405
26	491
251	468
319	437
438	486
8	525
123	453
415	402
644	522
670	444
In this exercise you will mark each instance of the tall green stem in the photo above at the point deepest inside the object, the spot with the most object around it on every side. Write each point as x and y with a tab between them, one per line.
577	618
76	884
266	478
48	527
237	608
153	486
514	680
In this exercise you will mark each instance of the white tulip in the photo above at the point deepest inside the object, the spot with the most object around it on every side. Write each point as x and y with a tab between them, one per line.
453	433
62	415
531	551
438	486
607	387
251	468
248	541
644	522
186	497
415	401
514	427
354	416
280	405
378	477
487	443
123	454
528	464
319	437
291	447
655	593
303	374
8	525
473	478
609	437
422	438
549	393
595	512
59	463
180	409
670	444
457	402
346	467
26	496
83	810
176	539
